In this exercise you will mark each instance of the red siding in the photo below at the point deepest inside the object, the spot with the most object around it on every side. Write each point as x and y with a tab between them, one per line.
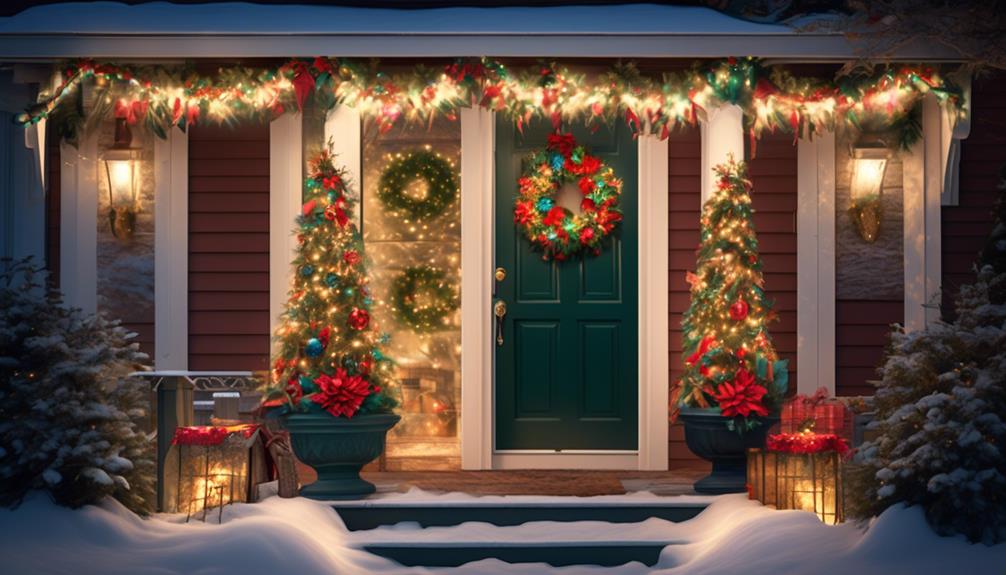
52	201
861	332
229	247
773	174
684	186
967	225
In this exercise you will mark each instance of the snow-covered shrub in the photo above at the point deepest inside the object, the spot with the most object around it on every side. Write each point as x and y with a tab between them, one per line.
67	411
941	418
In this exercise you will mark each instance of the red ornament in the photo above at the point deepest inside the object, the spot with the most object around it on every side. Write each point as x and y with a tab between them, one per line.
309	207
341	395
351	257
359	319
742	396
739	310
586	235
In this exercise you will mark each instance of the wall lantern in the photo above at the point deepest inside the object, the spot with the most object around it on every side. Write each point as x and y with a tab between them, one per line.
123	172
866	188
801	471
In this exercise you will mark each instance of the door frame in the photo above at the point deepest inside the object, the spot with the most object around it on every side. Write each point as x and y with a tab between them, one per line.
478	140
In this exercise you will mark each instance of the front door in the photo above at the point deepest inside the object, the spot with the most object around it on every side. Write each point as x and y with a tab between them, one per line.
566	372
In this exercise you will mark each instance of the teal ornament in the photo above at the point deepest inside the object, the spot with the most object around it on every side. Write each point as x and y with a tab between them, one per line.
349	291
545	204
557	162
385	338
314	347
378	356
306	270
332	280
368	301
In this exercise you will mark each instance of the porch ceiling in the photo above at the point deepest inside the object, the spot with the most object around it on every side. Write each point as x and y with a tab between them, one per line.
220	30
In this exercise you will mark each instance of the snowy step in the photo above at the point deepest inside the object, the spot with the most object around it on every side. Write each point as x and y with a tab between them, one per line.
554	543
455	509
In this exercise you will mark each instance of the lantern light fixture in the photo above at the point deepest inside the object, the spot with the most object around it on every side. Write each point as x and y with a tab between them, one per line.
122	170
869	164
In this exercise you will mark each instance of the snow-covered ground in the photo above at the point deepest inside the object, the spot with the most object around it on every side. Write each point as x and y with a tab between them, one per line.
303	537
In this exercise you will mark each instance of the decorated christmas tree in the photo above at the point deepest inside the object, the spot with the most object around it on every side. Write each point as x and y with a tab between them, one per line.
730	362
330	357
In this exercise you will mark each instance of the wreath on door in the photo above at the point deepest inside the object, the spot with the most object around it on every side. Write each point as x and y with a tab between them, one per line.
556	230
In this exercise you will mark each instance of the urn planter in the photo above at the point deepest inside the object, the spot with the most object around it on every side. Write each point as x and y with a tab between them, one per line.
707	435
338	448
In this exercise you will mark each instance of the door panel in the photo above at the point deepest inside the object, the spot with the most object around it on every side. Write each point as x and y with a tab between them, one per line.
567	373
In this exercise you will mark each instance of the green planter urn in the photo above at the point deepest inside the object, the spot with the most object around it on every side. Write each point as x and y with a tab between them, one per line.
338	448
707	435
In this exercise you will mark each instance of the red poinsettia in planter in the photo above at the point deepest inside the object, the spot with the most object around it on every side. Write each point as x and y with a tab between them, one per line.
331	380
734	382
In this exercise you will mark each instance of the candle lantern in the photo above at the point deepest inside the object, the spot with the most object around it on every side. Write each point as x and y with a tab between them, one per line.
213	468
122	171
800	471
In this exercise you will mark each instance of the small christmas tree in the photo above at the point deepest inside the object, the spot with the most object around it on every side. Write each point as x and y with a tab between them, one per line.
68	412
729	358
941	415
329	354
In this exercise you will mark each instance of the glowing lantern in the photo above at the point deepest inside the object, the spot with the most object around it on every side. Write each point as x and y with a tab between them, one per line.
122	170
214	468
800	471
866	187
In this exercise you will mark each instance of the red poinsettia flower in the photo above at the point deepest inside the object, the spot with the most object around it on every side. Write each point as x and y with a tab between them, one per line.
563	143
526	185
742	396
607	219
590	165
586	185
586	235
587	205
523	212
294	390
555	216
351	257
705	345
342	394
332	183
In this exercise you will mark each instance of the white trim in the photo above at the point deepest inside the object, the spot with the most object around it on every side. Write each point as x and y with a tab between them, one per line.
815	261
344	129
78	237
722	131
653	304
171	251
285	198
477	169
922	186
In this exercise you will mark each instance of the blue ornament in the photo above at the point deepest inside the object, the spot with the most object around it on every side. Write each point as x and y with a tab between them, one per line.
385	338
306	270
331	280
545	204
557	162
378	356
314	347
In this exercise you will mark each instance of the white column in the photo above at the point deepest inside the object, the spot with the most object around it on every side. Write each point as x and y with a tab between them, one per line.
477	169
653	304
722	138
171	251
923	183
815	261
78	236
285	198
344	129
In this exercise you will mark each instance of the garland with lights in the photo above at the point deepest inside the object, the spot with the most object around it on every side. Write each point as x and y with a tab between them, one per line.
556	230
771	97
432	315
730	362
329	358
441	185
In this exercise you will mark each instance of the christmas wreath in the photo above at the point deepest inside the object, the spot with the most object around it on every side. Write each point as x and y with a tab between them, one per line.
429	315
441	191
559	232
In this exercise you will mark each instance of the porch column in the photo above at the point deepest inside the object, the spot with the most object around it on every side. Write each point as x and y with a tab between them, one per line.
171	251
815	263
344	130
722	138
285	198
78	237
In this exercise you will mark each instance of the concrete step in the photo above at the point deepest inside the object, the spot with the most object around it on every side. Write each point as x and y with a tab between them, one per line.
516	510
560	554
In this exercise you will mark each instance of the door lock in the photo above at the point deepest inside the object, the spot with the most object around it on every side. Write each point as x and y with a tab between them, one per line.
499	310
500	274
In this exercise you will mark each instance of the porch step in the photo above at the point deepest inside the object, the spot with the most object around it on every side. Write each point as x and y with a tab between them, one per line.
509	511
606	554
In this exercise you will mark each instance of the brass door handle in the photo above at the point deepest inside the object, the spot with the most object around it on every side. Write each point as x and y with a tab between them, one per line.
499	310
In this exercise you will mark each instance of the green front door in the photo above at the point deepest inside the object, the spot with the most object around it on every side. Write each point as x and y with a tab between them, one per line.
566	372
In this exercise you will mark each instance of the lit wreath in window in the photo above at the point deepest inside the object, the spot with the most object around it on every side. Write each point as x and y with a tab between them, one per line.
557	231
